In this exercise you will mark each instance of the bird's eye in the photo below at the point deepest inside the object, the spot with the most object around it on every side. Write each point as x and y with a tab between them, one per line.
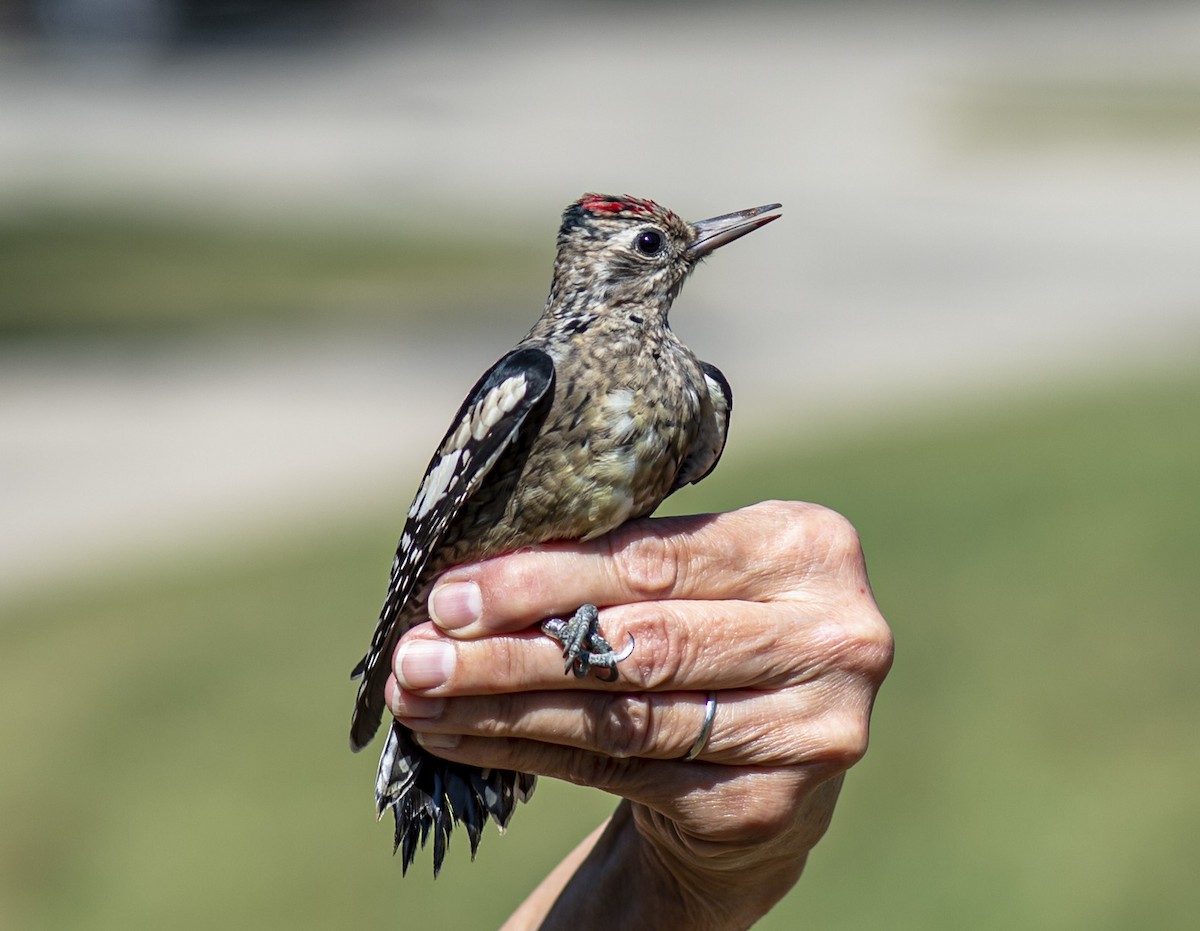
649	242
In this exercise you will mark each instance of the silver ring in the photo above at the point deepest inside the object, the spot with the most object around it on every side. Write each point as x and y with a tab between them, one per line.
710	712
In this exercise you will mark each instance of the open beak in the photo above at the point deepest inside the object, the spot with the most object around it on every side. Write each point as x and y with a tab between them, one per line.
715	232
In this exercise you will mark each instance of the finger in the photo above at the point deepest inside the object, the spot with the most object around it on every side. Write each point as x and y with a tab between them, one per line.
648	781
677	646
757	553
786	728
630	724
718	803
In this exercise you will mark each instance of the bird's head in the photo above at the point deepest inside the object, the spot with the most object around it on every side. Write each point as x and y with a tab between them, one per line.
626	251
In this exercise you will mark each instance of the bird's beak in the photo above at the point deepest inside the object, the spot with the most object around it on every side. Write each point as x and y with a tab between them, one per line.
715	232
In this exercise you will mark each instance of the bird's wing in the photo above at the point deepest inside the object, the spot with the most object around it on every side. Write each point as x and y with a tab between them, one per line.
508	402
706	451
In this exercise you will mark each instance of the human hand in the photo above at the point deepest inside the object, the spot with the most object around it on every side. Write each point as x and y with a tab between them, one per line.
768	606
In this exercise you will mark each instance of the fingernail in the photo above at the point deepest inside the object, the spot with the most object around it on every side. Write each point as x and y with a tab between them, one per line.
438	741
423	664
455	604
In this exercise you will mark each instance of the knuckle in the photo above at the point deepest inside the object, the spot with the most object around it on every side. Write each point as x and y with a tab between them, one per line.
856	642
876	649
833	539
646	560
501	711
492	718
844	743
624	725
501	658
759	816
783	511
658	653
868	646
598	770
514	585
802	540
493	663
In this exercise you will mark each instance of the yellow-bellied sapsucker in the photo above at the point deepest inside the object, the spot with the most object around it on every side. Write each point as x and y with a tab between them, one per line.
591	420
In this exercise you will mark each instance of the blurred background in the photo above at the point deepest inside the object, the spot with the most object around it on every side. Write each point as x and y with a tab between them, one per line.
253	253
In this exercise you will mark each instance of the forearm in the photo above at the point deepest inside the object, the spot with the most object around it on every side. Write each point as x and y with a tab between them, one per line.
607	881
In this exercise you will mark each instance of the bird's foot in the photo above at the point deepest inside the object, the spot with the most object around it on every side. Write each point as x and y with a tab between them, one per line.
583	646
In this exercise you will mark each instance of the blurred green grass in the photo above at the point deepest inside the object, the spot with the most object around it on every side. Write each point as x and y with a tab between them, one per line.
77	273
175	745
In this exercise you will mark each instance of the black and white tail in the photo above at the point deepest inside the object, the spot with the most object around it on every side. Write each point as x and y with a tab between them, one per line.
429	795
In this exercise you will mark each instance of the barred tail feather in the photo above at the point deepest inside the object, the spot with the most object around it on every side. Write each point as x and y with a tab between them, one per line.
428	795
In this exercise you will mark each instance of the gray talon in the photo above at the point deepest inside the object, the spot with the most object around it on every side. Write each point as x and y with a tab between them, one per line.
584	648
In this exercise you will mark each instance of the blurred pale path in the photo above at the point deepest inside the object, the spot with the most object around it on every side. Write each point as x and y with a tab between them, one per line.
976	200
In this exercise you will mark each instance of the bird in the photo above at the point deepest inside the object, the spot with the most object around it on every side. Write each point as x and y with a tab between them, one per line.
591	420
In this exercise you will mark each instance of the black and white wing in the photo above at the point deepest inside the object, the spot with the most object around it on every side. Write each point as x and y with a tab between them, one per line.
509	402
702	458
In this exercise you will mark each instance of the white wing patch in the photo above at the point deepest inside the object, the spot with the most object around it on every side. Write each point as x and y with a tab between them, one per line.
487	411
437	480
479	418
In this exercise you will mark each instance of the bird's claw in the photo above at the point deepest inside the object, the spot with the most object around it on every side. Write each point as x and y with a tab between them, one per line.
601	656
584	648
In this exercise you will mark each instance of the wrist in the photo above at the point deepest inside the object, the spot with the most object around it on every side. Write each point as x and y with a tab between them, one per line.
641	873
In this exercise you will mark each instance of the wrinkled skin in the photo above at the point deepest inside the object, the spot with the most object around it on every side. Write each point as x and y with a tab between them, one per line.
768	605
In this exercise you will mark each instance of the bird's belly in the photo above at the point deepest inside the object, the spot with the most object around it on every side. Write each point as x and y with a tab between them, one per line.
591	490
